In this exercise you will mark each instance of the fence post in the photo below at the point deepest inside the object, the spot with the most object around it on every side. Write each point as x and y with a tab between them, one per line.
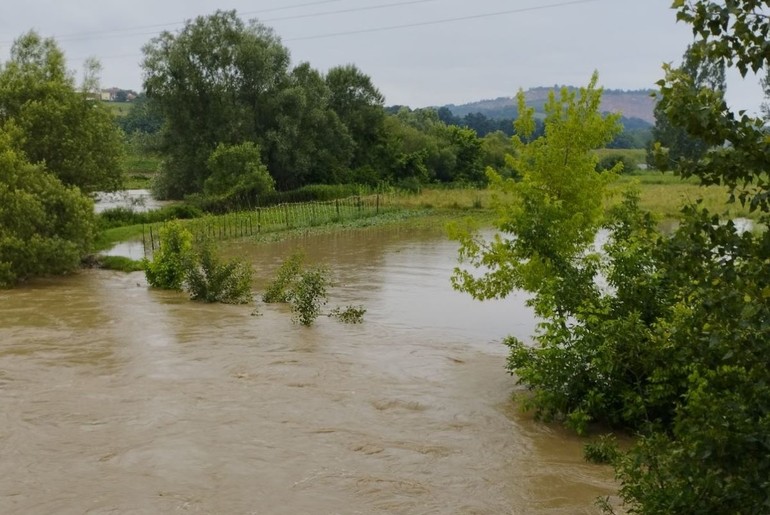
377	208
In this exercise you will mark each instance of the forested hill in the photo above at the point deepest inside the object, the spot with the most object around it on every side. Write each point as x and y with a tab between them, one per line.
631	104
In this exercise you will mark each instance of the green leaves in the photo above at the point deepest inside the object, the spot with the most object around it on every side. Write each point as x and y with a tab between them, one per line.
74	135
180	265
45	227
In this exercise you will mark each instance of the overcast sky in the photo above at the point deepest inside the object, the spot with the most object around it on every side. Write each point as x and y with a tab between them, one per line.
491	49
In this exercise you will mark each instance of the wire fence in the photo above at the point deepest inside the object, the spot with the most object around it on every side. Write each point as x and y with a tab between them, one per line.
274	218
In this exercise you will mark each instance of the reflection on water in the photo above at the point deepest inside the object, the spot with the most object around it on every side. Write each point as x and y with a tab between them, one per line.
116	398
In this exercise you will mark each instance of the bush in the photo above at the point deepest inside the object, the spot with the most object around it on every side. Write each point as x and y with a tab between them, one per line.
278	290
208	280
249	200
171	261
604	450
45	227
308	295
349	315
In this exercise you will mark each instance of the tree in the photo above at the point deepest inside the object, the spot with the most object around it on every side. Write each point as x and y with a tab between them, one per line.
214	82
309	143
45	226
359	105
705	73
663	335
237	170
60	126
711	458
557	211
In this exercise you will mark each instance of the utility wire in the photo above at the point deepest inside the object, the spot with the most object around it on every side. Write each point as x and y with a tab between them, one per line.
114	34
441	21
414	24
81	35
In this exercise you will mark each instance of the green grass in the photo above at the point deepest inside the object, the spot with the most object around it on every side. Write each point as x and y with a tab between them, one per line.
108	238
140	170
119	263
664	194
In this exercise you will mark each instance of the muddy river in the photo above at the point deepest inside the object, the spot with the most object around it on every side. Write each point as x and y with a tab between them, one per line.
118	399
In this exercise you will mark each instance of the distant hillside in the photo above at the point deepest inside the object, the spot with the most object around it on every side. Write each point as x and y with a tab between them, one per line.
631	104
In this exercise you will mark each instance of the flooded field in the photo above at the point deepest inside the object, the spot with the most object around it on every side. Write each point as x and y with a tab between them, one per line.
119	399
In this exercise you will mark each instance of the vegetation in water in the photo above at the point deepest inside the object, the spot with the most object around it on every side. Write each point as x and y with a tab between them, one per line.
306	290
172	260
309	294
279	288
45	226
209	280
349	314
603	450
120	263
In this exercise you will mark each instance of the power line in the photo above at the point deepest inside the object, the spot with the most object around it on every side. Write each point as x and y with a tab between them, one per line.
82	35
350	10
116	33
441	21
416	24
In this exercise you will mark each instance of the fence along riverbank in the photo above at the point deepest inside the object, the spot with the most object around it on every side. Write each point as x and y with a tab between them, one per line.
275	218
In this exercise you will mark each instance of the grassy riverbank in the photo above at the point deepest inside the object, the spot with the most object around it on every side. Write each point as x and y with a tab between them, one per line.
662	194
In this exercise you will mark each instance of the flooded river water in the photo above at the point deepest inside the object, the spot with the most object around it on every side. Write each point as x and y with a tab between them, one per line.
119	399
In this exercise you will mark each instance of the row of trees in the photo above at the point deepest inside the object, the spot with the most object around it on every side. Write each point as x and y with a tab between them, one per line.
662	335
222	83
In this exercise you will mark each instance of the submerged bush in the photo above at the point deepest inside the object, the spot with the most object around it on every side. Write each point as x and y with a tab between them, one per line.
308	295
278	290
349	315
306	290
171	261
177	265
209	280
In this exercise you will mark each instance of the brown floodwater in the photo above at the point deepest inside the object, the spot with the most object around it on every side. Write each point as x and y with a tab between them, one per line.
116	398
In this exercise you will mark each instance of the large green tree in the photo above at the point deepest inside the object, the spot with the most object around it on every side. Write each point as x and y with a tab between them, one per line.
61	126
214	82
308	143
221	80
712	457
666	335
359	105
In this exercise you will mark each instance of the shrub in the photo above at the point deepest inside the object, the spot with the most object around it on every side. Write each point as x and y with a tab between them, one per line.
209	280
171	261
308	295
349	315
278	290
610	161
603	450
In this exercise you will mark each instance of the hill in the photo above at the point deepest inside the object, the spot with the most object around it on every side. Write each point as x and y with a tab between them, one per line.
631	104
